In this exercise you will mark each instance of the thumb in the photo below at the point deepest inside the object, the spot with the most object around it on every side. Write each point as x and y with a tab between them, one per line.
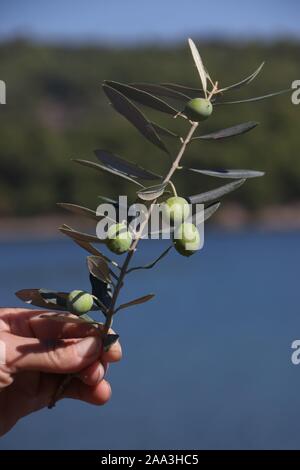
59	356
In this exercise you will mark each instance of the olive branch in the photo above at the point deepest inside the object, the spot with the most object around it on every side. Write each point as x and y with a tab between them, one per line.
107	277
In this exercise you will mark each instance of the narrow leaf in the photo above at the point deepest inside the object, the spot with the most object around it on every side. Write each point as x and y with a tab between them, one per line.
108	199
123	166
74	208
188	91
234	174
229	131
199	64
34	297
163	132
98	267
143	97
216	193
98	167
160	90
102	290
85	237
138	301
125	107
151	193
208	212
88	247
257	98
93	251
57	298
109	340
245	81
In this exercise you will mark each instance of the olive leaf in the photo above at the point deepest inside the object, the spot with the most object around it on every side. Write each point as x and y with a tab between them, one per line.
58	298
93	251
118	164
245	81
142	97
88	247
160	90
80	210
98	267
205	214
102	290
215	193
43	298
75	235
257	98
108	199
107	169
151	265
125	107
234	174
137	301
188	91
210	210
199	64
109	340
151	193
162	131
229	131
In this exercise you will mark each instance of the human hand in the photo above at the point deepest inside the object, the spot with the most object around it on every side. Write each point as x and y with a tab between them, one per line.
35	351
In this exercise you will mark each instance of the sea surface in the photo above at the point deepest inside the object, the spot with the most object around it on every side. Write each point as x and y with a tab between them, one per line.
207	363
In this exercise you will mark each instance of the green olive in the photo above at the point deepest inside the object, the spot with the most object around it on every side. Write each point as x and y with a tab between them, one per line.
118	238
175	209
80	302
198	109
187	239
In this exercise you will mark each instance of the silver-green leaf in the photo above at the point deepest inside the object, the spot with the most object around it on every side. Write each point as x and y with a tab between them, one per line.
137	301
125	107
233	174
151	193
143	97
216	193
228	132
116	163
104	168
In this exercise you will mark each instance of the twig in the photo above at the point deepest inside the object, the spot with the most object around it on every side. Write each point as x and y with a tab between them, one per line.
124	268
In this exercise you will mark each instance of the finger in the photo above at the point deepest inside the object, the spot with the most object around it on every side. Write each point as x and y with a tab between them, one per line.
58	356
45	328
48	384
93	374
97	395
29	323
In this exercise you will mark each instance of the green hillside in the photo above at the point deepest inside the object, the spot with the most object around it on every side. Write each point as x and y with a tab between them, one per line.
56	110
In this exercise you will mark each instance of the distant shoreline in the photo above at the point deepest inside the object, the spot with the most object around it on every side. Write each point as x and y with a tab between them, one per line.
231	217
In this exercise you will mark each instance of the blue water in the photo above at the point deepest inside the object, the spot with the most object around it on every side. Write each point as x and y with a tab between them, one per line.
207	363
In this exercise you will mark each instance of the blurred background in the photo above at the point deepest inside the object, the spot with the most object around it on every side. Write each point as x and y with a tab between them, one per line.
218	372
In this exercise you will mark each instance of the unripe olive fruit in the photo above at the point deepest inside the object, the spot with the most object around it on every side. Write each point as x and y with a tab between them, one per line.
80	302
198	109
187	239
175	209
118	238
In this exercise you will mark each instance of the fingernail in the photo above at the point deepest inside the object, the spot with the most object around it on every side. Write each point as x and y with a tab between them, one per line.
88	346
